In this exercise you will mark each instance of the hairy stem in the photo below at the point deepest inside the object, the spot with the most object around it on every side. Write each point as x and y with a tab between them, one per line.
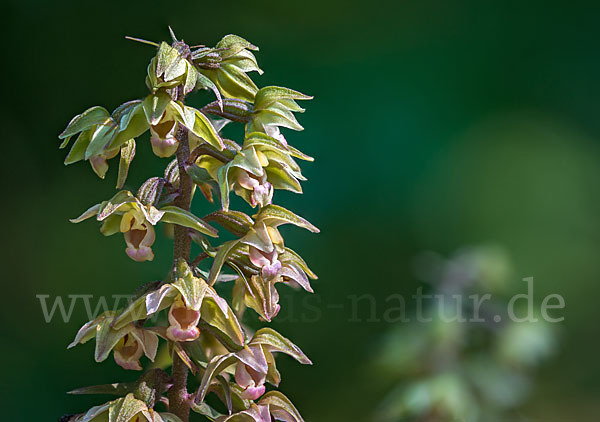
179	403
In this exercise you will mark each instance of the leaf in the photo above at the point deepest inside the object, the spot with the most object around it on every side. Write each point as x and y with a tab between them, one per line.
127	154
275	342
274	215
89	213
236	222
271	94
216	365
154	106
277	401
181	217
192	288
125	409
92	116
225	249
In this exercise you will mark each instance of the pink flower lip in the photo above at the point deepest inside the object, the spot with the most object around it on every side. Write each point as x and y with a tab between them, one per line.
183	322
252	393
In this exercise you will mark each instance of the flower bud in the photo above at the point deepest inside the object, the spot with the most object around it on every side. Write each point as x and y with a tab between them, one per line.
183	322
162	138
262	190
267	257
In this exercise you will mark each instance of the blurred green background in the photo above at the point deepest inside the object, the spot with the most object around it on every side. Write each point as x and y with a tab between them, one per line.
435	124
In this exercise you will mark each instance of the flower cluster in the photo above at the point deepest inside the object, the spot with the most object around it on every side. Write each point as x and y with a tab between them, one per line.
201	331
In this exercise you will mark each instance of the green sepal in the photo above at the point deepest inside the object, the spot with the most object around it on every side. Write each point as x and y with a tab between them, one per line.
91	117
127	154
111	225
216	365
277	401
89	213
125	409
101	137
271	94
77	152
200	126
192	288
275	342
206	410
275	215
132	124
222	253
154	106
223	319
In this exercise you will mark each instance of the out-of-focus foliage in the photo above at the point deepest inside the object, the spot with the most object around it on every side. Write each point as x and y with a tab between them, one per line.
462	359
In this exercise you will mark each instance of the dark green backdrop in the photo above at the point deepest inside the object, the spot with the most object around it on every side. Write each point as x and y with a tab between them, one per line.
435	124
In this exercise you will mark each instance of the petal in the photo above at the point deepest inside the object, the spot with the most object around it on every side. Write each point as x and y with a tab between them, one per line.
253	393
164	147
183	322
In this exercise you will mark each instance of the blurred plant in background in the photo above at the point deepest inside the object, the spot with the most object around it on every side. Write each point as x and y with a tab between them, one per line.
204	333
459	360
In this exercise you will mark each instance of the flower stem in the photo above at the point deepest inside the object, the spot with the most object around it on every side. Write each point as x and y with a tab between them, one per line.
179	403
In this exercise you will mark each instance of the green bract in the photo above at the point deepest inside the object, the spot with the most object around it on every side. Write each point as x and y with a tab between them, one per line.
203	333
